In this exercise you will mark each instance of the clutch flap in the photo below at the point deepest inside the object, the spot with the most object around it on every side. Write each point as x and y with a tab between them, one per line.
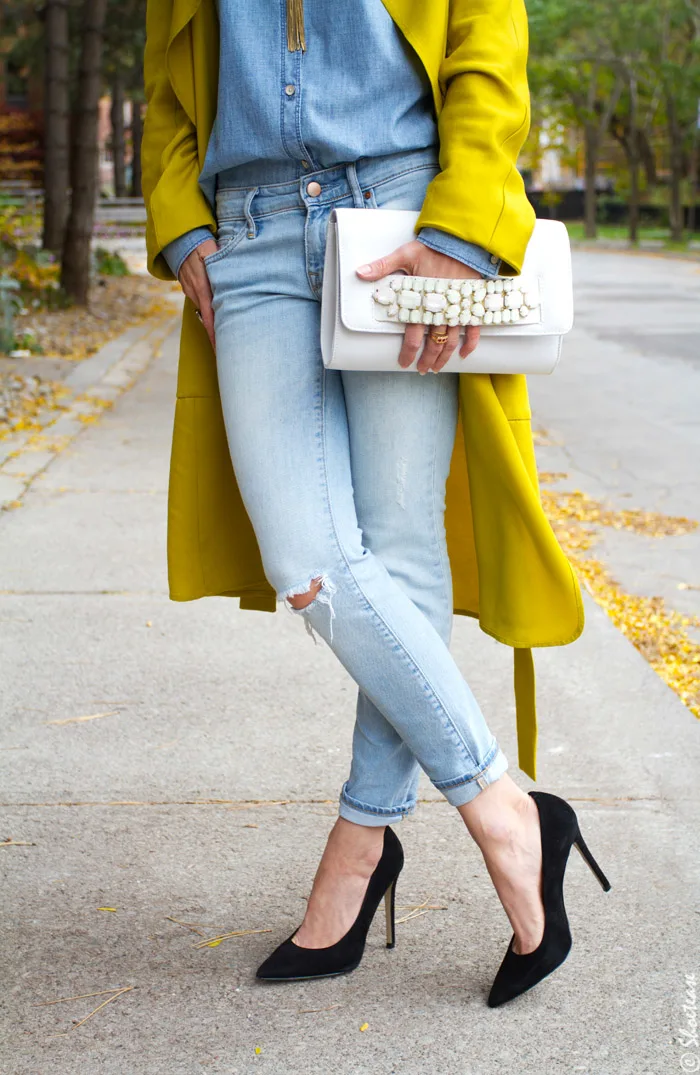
363	235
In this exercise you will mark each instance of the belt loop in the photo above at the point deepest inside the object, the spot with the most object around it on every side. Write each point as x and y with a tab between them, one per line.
252	229
354	184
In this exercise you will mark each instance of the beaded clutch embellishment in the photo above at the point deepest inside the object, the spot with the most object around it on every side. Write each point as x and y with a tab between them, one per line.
436	301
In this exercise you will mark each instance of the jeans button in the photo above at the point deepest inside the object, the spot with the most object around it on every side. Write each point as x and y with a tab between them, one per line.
313	189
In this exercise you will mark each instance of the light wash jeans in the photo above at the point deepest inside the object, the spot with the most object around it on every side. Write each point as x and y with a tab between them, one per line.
343	477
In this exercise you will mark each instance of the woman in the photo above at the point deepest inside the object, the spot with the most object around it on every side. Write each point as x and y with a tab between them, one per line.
329	490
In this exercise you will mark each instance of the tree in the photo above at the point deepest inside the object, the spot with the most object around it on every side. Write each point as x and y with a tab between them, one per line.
75	264
56	123
575	64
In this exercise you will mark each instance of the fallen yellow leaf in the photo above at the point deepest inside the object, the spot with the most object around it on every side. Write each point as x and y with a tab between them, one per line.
106	908
364	1026
76	720
214	944
258	1050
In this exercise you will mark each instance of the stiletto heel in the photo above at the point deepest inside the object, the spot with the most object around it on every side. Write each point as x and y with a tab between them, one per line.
582	848
389	907
559	830
291	962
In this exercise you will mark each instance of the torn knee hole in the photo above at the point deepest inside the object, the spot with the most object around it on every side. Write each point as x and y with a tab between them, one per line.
301	600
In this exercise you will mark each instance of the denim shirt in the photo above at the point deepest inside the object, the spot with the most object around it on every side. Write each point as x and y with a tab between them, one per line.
359	90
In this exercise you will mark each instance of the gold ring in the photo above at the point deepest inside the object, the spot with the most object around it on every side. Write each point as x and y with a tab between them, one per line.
438	337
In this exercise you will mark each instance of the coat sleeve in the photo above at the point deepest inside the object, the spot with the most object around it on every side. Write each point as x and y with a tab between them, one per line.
479	195
174	200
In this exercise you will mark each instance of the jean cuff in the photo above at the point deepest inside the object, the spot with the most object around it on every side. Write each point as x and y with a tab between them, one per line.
364	814
482	261
463	791
181	248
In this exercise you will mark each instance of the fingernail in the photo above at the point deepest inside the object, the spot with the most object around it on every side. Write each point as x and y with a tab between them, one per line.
364	269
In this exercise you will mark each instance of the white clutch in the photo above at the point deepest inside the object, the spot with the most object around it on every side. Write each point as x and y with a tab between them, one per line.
523	318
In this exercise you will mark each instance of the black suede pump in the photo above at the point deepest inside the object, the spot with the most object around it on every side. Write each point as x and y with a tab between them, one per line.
559	830
290	962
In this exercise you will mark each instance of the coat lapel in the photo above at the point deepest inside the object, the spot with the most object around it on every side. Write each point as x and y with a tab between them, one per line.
178	56
425	28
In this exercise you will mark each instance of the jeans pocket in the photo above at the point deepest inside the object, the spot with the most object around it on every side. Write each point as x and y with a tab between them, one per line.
229	235
404	191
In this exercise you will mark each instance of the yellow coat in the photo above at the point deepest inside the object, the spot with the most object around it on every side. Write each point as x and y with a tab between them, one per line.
508	569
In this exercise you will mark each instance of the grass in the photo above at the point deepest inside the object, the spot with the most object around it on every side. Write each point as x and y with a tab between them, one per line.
620	232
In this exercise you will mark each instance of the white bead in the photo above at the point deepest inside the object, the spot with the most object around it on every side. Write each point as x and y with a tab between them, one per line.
453	310
441	286
409	299
452	295
404	315
507	285
514	300
464	317
452	321
497	316
407	283
384	296
419	283
505	317
393	310
474	320
493	302
479	293
396	283
455	285
490	287
427	317
467	288
434	302
498	286
488	317
478	309
416	317
524	311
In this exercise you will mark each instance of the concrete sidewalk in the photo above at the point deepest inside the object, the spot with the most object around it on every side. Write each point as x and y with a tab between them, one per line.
206	792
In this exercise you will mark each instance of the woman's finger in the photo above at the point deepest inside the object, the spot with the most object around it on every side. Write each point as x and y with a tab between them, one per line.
448	349
432	350
207	312
471	338
412	339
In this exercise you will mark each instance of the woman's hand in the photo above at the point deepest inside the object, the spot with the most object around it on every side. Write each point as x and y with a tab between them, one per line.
195	283
419	260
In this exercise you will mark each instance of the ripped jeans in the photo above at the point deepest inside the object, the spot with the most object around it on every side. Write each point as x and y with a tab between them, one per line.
343	477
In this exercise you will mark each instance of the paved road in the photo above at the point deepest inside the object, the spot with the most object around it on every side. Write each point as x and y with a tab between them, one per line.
214	716
624	411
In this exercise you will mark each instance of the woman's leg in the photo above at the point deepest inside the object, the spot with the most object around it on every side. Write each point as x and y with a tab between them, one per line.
399	478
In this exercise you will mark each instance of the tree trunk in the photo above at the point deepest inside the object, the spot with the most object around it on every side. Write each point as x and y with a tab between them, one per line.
136	136
675	209
633	161
75	268
118	143
56	124
590	138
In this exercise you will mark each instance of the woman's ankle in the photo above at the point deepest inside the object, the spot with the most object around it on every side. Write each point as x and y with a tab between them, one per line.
495	814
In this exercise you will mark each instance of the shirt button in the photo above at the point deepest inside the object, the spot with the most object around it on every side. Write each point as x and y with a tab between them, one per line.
305	164
494	259
290	90
313	189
